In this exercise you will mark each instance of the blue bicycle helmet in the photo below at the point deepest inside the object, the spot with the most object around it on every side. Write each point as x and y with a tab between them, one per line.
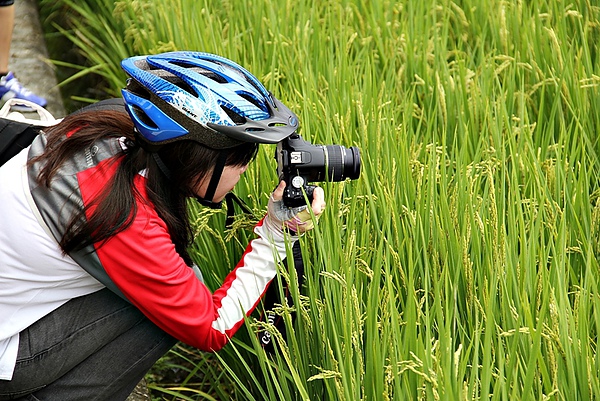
202	97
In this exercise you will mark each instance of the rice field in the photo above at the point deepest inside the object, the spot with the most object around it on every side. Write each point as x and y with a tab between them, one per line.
463	264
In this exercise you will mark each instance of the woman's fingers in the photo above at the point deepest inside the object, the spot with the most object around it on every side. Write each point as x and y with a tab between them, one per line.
278	193
318	203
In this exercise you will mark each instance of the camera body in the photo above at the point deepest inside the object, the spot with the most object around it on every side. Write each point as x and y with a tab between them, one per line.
300	162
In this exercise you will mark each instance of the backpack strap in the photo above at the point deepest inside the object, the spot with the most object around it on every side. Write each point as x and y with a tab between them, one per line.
14	137
18	131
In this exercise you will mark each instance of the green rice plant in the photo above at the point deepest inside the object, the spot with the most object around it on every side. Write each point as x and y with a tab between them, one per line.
463	262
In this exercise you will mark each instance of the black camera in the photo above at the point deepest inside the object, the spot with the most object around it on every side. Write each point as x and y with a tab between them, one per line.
300	162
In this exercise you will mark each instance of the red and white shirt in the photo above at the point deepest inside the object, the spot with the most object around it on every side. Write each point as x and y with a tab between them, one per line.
139	263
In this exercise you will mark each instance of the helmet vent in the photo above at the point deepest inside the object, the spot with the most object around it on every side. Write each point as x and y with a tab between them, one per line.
143	117
134	87
235	117
202	71
181	84
215	77
252	100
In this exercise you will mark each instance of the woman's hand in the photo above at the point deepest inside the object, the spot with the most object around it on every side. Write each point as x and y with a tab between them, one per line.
297	219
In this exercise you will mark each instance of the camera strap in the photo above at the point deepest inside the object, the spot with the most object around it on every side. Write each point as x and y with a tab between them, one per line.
230	200
273	298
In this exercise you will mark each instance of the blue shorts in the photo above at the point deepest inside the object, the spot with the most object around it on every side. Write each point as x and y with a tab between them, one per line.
6	3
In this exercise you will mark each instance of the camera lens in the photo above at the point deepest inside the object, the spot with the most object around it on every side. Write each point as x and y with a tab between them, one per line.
342	162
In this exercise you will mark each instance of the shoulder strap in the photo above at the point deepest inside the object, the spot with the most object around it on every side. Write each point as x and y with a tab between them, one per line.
14	137
17	135
17	131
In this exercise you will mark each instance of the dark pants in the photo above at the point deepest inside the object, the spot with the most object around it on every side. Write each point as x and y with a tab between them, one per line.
95	347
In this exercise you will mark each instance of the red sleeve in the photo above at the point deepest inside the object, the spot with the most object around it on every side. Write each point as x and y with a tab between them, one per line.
143	263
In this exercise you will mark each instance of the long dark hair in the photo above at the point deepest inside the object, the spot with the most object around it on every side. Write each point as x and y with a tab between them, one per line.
115	207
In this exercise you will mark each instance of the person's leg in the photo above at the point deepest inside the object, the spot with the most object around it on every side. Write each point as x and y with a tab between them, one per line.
113	372
7	21
95	347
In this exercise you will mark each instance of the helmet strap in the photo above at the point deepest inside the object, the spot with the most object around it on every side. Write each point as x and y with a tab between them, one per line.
162	166
214	183
214	180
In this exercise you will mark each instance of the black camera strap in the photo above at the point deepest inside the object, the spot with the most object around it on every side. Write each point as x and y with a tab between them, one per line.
273	298
231	200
